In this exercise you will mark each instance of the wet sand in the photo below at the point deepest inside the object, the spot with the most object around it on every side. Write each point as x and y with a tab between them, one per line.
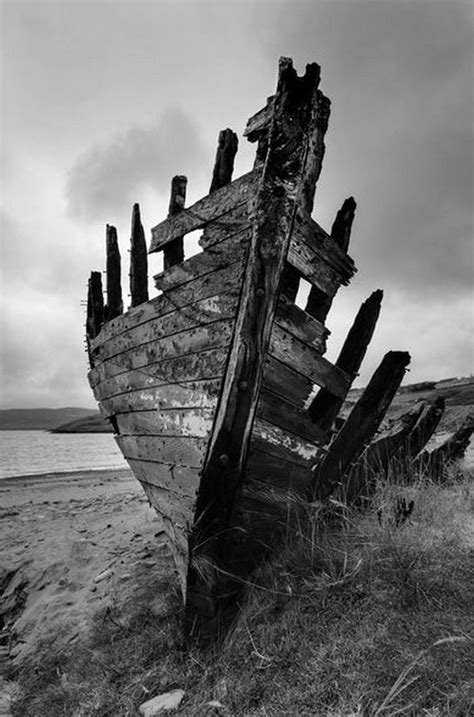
68	542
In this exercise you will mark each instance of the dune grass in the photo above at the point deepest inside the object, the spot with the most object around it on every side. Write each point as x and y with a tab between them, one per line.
358	614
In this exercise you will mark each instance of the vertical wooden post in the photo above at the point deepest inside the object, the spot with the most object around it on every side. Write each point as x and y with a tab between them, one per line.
319	303
325	406
173	253
114	283
95	305
362	423
138	260
224	163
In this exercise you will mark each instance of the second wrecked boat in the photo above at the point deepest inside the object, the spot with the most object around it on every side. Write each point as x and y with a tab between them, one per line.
212	387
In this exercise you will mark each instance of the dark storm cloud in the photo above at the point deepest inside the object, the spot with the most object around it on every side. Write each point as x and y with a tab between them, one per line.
107	178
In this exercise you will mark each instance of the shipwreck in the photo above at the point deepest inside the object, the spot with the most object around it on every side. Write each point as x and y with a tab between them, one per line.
218	391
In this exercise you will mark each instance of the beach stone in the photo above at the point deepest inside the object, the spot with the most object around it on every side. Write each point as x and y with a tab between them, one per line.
161	703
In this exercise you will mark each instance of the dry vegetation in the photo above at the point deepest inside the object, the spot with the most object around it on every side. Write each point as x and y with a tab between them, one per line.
361	614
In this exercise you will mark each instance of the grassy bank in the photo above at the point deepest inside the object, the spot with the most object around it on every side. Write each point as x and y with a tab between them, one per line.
360	614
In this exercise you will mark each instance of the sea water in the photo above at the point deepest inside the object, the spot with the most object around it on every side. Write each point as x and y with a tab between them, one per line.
30	452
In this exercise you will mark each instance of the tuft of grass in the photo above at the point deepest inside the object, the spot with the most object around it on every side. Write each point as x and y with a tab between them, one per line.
357	614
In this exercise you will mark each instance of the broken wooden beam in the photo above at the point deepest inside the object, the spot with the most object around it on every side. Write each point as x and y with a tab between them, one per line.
173	253
114	305
361	425
425	427
224	163
376	458
433	464
138	260
95	305
341	229
326	406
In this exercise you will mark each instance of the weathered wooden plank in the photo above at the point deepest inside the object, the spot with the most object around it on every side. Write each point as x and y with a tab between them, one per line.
173	253
182	343
223	281
284	381
362	423
192	422
283	444
218	257
114	305
95	307
203	211
206	311
195	367
230	225
303	258
301	325
289	417
304	359
138	260
323	245
435	463
174	450
259	122
224	164
277	471
180	480
325	406
203	394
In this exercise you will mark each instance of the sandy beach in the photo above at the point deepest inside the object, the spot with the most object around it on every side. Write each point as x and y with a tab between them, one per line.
70	541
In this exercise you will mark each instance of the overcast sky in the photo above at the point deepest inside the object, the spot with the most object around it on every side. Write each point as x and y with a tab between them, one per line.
103	101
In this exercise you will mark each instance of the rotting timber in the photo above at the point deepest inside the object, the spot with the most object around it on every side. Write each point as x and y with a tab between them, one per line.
217	389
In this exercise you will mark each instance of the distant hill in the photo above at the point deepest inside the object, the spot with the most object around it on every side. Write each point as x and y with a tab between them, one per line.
92	423
31	419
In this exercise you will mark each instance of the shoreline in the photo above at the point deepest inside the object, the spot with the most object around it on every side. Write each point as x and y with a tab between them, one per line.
83	474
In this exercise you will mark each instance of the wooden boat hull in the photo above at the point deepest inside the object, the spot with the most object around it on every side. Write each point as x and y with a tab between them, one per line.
208	385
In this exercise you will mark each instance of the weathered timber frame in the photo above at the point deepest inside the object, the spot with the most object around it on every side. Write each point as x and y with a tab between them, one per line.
288	180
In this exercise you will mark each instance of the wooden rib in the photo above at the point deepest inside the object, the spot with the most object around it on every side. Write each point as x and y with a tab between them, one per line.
138	260
173	253
202	212
95	307
362	423
192	422
222	255
114	281
224	163
425	427
222	281
342	226
304	359
175	450
326	406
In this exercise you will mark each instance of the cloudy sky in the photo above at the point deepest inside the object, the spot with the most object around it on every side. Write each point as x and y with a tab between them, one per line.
104	100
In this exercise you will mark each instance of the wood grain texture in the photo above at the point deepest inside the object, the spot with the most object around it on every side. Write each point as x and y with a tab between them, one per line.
227	146
301	325
206	364
180	451
193	422
203	212
230	225
222	281
201	394
289	417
